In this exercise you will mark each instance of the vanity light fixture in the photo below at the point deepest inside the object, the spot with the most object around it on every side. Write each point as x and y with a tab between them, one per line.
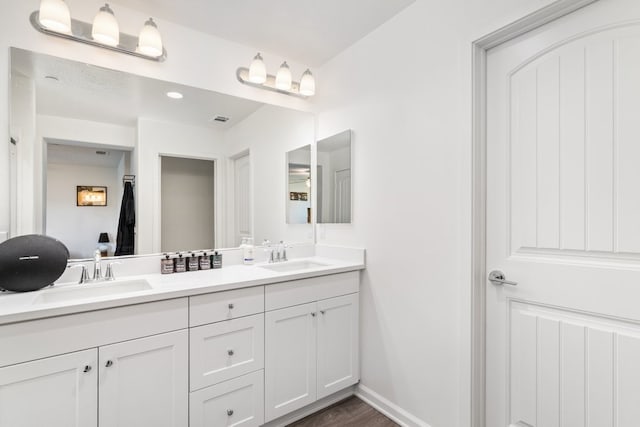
54	19
55	16
256	76
307	84
105	27
257	70
174	95
149	40
283	78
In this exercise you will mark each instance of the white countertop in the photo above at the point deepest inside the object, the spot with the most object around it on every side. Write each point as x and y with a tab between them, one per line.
18	307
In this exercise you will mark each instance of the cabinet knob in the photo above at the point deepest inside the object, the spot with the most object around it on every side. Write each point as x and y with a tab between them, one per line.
109	363
313	314
321	311
229	412
87	368
230	352
231	306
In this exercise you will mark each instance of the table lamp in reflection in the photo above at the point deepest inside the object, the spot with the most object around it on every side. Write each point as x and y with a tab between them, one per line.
103	239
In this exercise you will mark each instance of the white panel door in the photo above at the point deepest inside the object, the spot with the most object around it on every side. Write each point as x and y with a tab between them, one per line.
337	344
144	382
563	221
60	391
290	359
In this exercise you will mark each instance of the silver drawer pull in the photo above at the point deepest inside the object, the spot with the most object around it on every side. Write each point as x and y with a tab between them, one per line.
109	363
230	352
87	368
231	306
229	412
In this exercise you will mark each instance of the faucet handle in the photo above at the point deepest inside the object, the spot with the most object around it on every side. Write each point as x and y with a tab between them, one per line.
109	274
84	274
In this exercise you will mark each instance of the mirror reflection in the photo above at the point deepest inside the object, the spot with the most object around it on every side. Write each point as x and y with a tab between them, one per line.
79	125
299	186
334	179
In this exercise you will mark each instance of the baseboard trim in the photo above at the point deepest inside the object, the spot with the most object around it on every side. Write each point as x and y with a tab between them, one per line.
391	410
310	409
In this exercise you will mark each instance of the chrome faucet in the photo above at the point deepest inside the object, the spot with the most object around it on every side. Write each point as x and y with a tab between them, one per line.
279	253
97	266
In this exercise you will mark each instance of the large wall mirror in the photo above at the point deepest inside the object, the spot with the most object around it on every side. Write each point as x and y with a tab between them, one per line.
82	128
334	179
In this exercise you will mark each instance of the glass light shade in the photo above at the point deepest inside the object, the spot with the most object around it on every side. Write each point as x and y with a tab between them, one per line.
54	15
105	27
283	78
257	70
149	40
307	84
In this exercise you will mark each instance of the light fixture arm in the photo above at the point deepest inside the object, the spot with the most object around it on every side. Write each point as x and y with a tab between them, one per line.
242	74
81	32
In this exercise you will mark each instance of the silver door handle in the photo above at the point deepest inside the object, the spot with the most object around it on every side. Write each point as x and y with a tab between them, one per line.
497	278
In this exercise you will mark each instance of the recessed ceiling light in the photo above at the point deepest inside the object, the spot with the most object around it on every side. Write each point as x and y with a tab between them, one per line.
174	95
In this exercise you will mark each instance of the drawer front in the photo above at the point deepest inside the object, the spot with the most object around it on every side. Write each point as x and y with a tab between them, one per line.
36	339
303	291
227	305
238	402
224	350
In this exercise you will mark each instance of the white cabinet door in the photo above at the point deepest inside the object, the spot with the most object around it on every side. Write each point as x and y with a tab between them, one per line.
237	402
144	382
290	359
337	344
57	391
224	350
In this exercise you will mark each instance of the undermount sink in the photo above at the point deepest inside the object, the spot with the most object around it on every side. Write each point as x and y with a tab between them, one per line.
91	290
293	266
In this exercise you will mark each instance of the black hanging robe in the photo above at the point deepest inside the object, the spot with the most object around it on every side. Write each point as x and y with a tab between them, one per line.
127	223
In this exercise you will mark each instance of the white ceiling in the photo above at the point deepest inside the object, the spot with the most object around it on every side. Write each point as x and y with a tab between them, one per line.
60	152
308	31
88	92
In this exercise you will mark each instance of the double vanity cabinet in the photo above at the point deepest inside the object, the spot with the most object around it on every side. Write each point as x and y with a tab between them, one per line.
240	357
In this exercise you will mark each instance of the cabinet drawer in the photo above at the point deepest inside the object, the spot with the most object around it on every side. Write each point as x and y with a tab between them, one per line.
224	350
238	402
63	334
303	291
226	305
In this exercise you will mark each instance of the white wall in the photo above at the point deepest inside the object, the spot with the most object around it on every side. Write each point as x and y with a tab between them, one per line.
156	138
268	134
78	227
194	59
405	90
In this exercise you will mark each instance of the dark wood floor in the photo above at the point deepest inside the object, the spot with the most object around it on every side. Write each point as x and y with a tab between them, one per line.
351	412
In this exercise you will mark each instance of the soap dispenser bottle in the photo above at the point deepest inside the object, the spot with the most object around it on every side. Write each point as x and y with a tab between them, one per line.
247	250
216	260
180	264
166	265
205	261
192	264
